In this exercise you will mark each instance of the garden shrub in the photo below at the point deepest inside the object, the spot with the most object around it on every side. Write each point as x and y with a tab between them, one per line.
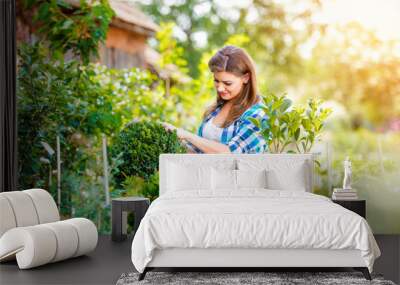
138	146
137	186
151	187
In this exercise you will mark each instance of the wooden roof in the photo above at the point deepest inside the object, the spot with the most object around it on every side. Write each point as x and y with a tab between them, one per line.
128	16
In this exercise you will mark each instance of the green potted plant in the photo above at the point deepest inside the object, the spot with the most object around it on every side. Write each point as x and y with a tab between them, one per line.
291	129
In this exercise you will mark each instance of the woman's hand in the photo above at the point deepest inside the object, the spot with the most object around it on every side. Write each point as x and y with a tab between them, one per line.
205	145
181	133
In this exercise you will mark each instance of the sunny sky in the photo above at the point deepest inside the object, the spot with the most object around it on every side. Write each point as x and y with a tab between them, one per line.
382	16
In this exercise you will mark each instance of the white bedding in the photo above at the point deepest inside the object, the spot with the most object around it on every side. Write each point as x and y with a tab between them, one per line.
251	218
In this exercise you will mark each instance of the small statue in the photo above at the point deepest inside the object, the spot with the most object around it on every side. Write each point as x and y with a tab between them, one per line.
347	174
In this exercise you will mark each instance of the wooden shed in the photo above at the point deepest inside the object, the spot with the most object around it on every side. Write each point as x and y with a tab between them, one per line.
126	43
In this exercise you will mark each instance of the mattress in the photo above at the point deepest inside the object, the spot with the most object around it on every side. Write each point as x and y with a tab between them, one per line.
250	219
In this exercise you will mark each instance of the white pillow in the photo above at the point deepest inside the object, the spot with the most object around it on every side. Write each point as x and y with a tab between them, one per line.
293	180
251	178
282	173
228	179
223	179
182	177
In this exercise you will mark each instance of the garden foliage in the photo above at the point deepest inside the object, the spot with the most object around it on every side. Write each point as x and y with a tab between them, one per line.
292	129
68	28
139	146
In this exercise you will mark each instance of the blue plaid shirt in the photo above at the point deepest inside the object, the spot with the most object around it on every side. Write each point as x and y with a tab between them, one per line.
242	136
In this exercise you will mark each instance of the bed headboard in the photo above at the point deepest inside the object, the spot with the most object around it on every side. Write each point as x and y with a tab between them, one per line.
232	160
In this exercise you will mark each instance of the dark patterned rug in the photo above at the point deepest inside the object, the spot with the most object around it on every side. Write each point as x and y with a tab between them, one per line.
273	278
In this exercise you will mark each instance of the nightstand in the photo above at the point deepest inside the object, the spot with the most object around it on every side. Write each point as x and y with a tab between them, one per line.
120	208
357	206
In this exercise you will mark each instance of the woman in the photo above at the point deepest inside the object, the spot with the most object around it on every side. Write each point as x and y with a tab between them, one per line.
226	127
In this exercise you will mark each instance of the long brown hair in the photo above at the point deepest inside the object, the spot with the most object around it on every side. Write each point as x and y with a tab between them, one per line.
237	61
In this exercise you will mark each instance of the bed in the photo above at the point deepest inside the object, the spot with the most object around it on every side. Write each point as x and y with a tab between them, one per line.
246	211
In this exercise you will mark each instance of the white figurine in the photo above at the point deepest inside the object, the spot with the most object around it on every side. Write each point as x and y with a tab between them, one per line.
347	174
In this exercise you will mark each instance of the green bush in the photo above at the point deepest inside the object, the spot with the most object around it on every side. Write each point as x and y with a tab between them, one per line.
138	147
151	187
137	186
57	99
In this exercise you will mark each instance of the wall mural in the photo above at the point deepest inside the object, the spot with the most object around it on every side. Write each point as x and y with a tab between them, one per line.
98	100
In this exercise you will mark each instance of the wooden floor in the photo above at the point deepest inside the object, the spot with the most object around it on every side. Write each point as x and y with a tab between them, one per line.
111	259
103	266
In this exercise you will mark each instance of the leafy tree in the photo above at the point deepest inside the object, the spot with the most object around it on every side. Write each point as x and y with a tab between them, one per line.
68	28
